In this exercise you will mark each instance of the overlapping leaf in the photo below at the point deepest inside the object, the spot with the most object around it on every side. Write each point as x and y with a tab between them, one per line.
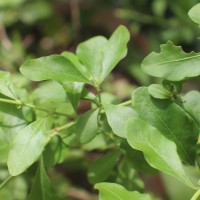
100	55
159	152
55	67
170	119
194	13
117	117
42	189
26	147
101	168
117	192
172	63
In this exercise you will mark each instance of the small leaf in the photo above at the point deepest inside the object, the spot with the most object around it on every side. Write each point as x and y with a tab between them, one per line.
117	117
42	189
87	127
101	168
74	91
113	191
6	86
26	147
100	55
191	103
194	13
159	92
159	152
170	119
172	63
55	67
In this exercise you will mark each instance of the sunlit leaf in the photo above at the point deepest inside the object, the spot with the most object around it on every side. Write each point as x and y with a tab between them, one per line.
113	191
172	63
159	152
194	13
26	147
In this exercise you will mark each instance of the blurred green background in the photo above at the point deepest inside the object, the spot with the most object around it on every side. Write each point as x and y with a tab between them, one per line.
34	28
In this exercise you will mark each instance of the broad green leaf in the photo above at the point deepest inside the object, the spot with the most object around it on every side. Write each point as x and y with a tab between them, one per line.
159	92
191	103
172	63
113	191
86	127
4	147
42	189
6	86
74	91
100	55
194	13
136	159
11	120
117	117
101	168
159	152
170	119
55	67
26	147
76	62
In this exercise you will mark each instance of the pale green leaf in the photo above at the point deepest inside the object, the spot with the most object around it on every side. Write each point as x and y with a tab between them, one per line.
6	86
26	147
74	91
159	92
117	117
170	119
100	55
159	152
194	13
113	191
191	103
55	67
42	189
172	63
11	120
86	127
101	168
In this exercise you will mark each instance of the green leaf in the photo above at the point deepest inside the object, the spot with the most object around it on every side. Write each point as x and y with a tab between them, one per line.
6	86
159	152
100	55
86	127
191	103
42	189
76	62
74	91
4	147
113	191
11	120
194	13
26	147
55	67
170	119
172	63
159	92
101	168
117	117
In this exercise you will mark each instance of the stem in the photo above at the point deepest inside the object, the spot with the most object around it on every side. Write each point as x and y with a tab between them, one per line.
5	182
57	130
126	103
196	195
20	103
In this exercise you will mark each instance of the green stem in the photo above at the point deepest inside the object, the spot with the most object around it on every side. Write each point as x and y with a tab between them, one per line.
126	103
56	131
196	195
5	182
20	103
